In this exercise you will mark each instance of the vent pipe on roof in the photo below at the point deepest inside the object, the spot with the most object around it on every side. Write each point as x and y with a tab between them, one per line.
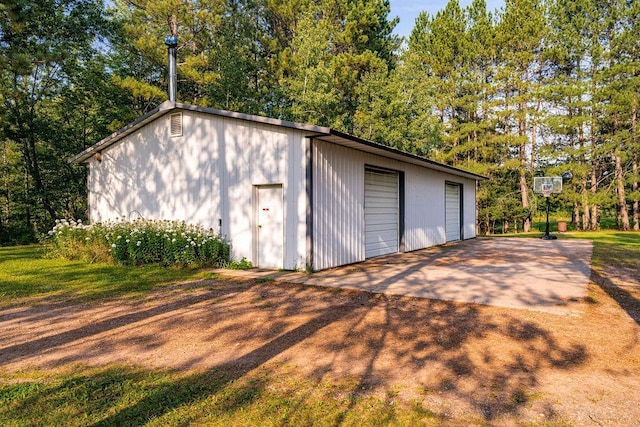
172	45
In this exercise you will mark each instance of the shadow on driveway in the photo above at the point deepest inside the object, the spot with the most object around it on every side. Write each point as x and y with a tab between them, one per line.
515	273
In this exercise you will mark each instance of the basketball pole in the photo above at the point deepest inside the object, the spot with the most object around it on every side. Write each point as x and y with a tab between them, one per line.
546	235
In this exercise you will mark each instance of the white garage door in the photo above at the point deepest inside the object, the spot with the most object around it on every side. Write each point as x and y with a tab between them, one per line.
452	212
380	212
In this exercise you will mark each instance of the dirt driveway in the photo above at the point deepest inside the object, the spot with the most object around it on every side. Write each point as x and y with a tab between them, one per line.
469	364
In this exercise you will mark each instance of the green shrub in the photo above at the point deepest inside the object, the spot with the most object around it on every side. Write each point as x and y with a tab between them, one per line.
138	242
16	233
243	264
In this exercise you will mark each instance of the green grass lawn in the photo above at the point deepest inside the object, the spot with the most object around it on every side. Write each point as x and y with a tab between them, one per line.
123	396
610	248
25	274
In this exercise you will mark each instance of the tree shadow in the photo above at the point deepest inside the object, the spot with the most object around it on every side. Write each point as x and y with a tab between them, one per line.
455	351
165	399
625	299
478	271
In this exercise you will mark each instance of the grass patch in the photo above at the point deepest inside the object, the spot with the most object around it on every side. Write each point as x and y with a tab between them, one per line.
118	396
243	264
610	248
25	274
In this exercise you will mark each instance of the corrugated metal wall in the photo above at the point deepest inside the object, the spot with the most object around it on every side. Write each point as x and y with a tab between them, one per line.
469	216
338	204
207	174
424	207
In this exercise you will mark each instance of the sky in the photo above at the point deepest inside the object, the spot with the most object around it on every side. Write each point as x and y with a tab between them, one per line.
408	10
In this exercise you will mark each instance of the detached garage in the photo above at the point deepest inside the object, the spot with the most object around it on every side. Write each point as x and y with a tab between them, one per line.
287	195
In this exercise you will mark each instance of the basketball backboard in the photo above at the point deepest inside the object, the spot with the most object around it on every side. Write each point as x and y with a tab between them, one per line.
547	184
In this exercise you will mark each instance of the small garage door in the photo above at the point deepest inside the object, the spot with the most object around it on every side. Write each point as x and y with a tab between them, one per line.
380	212
452	212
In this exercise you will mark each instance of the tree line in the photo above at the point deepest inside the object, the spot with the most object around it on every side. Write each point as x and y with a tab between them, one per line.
539	87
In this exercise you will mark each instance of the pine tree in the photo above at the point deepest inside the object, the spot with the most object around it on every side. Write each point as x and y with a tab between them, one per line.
566	93
520	33
334	46
616	100
626	47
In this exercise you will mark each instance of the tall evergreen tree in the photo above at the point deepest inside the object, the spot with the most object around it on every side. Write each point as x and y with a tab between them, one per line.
567	93
146	25
334	46
520	34
626	48
615	101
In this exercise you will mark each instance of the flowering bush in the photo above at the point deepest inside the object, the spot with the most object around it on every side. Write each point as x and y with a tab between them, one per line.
138	242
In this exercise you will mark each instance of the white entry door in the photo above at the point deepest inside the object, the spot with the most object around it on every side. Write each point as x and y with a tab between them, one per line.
270	226
452	212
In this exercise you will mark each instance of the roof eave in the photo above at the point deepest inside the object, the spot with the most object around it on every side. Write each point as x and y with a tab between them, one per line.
167	106
317	131
399	154
160	110
255	118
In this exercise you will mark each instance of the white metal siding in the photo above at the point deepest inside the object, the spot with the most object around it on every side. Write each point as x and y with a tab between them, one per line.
452	212
205	175
209	172
424	205
338	204
380	212
469	209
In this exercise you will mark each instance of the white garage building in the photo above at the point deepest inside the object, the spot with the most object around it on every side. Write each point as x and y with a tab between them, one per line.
287	195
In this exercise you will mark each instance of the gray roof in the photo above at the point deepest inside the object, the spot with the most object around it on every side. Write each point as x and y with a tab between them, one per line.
318	132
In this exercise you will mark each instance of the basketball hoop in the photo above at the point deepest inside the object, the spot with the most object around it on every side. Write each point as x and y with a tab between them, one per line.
547	185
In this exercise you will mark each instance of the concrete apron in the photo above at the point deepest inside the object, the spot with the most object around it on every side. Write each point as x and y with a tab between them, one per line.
536	274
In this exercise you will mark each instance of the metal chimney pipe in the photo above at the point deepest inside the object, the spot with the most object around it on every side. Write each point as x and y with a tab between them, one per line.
172	45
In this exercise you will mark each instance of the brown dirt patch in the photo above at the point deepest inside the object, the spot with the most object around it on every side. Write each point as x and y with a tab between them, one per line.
471	364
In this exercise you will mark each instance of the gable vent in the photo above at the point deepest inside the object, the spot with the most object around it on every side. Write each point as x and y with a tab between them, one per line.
176	124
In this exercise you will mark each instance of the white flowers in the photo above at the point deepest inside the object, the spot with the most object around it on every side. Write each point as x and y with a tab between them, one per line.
140	241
